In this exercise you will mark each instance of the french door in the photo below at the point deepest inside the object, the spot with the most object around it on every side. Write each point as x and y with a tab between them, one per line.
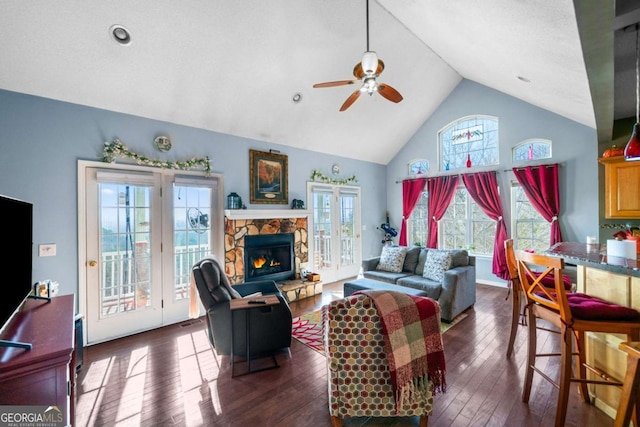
143	232
337	241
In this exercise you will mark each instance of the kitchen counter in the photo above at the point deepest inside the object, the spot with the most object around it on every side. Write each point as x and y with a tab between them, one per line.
595	256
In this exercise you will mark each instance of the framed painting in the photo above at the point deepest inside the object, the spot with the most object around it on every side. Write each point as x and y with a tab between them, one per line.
269	178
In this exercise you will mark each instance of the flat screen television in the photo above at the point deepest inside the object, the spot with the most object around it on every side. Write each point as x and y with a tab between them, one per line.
16	256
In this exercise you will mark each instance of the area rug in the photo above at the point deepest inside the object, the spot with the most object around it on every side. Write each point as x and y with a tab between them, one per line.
308	329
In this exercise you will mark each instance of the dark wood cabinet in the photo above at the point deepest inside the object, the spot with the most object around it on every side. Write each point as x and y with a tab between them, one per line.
44	375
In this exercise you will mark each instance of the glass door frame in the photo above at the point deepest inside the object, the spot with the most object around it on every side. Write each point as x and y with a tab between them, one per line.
336	271
217	220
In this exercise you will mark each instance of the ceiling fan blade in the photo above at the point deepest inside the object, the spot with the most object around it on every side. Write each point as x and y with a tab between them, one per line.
336	83
350	100
390	93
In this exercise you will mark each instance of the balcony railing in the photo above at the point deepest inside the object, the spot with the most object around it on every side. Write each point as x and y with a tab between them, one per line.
323	253
122	276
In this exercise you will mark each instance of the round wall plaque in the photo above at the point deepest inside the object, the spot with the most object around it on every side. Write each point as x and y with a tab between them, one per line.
163	143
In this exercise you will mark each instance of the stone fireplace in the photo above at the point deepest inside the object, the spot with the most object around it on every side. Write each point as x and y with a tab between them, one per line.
241	223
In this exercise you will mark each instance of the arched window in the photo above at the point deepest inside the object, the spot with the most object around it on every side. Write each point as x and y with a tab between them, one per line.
532	149
469	141
417	167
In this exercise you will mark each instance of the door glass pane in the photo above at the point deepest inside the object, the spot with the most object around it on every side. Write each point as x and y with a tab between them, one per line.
191	228
125	254
322	230
347	206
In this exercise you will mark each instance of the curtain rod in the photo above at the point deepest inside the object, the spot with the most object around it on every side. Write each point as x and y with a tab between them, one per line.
536	166
444	174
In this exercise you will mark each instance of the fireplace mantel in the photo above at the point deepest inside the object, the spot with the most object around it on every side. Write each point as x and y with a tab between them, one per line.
235	214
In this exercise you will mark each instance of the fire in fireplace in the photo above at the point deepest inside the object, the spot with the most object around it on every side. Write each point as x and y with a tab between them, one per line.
269	257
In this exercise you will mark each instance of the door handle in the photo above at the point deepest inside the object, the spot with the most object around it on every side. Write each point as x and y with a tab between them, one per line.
93	263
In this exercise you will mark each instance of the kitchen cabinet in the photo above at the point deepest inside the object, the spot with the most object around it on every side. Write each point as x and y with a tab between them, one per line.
621	188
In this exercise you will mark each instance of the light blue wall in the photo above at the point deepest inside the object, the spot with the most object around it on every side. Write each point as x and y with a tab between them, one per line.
41	141
575	147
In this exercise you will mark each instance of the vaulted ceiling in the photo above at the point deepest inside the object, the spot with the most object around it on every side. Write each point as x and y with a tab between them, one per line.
235	66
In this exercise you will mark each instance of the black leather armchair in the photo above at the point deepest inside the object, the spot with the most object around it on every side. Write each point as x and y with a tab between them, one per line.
270	326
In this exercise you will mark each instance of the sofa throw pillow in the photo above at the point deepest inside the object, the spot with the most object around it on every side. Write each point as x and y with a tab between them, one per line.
392	258
411	260
437	263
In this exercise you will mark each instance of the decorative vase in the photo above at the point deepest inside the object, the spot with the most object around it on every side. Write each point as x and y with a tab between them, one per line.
613	151
234	201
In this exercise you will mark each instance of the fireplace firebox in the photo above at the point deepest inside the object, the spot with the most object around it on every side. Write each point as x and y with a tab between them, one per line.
269	257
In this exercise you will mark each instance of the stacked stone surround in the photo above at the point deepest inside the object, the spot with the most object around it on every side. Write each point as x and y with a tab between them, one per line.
236	229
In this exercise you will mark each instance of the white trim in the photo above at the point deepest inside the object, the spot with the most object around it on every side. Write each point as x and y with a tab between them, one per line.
235	214
492	283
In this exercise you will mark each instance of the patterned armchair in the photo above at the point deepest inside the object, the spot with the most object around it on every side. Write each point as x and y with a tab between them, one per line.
358	371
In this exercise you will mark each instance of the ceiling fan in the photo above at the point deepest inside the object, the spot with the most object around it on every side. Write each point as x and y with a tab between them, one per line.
366	71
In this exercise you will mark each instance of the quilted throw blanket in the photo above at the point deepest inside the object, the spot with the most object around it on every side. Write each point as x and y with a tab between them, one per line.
413	342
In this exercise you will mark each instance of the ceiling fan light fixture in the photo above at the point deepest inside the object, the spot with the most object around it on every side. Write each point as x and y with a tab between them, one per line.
369	62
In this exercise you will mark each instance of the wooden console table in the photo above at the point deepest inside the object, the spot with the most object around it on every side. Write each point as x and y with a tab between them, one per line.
44	375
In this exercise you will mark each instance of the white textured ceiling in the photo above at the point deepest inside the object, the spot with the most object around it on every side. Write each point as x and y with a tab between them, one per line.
233	66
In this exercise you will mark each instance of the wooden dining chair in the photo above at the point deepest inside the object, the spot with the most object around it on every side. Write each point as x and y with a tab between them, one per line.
518	315
516	294
574	314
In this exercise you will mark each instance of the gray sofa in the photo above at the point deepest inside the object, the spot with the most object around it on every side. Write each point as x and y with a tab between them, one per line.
455	293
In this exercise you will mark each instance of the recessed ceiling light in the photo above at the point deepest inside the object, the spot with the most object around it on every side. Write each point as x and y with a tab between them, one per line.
297	97
120	34
524	79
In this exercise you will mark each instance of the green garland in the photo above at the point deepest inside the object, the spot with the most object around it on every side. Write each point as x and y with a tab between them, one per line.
118	149
316	175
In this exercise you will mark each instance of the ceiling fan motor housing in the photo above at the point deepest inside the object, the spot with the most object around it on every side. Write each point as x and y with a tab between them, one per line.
369	62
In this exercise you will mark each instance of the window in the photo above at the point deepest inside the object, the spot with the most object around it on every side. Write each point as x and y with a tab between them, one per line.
532	149
469	141
417	167
530	229
419	221
465	226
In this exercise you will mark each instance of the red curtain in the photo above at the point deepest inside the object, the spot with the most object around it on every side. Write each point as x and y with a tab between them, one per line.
540	184
411	191
483	188
441	190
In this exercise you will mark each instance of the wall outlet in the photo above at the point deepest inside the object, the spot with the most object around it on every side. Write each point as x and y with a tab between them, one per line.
48	249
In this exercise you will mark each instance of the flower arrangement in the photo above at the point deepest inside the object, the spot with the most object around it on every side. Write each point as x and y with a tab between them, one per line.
118	149
316	175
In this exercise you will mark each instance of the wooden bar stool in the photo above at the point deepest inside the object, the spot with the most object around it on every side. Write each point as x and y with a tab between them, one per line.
574	314
516	294
518	317
630	387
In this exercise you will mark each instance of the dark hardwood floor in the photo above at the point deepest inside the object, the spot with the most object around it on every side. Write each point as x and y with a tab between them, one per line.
170	376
